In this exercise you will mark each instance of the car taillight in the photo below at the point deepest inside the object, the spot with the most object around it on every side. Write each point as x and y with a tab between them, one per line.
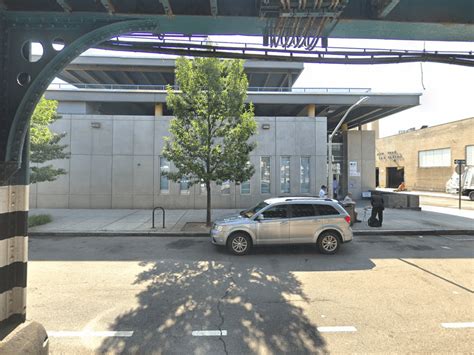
348	219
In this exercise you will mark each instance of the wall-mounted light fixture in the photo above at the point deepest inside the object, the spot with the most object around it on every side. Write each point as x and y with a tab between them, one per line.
266	126
95	124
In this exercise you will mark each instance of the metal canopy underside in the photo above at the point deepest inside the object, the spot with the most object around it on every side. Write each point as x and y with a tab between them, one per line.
330	104
156	71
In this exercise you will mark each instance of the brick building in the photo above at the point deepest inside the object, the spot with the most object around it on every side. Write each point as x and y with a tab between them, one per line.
424	158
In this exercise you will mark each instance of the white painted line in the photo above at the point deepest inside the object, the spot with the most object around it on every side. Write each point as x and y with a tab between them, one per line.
446	247
69	334
458	325
459	239
337	329
209	333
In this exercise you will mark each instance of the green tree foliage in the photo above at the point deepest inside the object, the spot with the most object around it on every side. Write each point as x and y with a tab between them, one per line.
211	125
44	144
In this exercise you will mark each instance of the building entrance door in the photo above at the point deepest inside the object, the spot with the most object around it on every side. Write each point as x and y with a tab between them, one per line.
395	176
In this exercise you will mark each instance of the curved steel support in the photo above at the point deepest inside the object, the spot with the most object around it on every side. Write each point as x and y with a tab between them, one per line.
22	116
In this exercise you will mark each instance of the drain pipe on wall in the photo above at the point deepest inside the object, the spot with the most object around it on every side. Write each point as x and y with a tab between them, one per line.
331	136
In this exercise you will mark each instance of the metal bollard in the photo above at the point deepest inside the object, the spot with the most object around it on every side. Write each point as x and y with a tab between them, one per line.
153	217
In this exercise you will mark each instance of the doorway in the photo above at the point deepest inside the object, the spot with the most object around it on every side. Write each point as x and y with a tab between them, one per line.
395	176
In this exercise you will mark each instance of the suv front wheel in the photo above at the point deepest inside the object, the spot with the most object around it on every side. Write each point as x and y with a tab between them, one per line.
239	243
328	242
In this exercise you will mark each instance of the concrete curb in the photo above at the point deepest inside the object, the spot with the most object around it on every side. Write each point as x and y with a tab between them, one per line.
27	338
374	232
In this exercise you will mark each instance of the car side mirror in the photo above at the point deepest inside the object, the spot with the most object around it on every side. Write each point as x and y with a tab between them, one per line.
260	217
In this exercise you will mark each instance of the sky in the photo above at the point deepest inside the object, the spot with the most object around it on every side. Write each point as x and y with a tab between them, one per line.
446	90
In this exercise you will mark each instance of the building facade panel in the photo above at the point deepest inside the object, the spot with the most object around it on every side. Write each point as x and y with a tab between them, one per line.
121	167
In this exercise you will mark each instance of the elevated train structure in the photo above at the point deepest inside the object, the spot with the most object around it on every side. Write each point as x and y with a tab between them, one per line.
290	30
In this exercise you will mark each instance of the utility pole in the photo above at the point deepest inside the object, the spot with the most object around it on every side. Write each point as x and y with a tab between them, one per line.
460	163
331	136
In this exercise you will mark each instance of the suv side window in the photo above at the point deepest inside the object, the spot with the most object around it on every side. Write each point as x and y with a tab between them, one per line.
275	212
325	210
302	210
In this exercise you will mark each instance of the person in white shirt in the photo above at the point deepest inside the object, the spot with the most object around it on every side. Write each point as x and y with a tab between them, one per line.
323	193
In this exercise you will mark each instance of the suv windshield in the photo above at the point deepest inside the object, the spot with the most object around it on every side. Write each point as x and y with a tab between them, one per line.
251	211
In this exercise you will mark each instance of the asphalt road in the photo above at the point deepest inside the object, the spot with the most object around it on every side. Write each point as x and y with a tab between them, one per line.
379	294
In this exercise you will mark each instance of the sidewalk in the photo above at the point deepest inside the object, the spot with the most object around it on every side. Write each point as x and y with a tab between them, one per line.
89	222
426	193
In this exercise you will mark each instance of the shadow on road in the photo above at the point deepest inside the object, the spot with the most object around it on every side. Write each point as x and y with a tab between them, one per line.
250	302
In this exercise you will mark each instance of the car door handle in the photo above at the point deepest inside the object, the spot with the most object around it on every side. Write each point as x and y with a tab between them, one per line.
284	222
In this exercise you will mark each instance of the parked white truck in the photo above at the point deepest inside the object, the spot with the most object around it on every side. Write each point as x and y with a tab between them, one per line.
467	183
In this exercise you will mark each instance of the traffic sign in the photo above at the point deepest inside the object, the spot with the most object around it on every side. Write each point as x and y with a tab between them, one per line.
459	161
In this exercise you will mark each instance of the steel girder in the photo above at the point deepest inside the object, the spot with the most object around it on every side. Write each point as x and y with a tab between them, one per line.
23	81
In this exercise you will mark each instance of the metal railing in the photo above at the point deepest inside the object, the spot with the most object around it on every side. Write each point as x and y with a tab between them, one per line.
153	217
259	89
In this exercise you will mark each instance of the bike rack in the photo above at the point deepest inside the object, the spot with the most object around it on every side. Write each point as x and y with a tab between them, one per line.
153	217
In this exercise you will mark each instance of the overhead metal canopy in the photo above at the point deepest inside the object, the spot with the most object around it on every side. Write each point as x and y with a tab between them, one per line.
158	71
329	102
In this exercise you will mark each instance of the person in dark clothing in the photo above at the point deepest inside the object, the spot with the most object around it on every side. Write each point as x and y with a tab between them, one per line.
376	201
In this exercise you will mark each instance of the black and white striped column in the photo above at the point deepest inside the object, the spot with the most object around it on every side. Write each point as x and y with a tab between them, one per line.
13	253
14	204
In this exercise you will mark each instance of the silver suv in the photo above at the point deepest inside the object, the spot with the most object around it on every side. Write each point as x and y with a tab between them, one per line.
288	220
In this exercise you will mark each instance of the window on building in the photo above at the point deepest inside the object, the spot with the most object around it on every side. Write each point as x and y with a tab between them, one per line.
265	175
164	168
225	187
434	158
184	185
285	175
245	185
470	155
304	175
245	188
302	210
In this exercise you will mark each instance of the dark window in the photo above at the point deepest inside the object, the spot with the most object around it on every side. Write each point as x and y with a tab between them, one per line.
325	210
280	211
303	210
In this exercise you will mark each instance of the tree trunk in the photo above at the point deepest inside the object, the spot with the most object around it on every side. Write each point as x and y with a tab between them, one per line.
208	208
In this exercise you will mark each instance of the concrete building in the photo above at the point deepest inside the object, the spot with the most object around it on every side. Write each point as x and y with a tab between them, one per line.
114	115
424	158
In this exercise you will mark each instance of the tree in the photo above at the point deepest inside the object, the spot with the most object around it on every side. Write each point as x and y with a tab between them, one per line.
44	144
212	124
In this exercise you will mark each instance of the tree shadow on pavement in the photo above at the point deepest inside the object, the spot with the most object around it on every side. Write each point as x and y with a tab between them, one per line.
260	309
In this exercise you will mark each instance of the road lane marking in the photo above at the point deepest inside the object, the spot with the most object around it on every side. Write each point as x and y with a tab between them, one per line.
459	239
209	333
337	329
458	325
106	334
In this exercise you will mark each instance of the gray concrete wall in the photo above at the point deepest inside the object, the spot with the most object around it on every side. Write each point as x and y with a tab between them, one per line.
118	164
359	149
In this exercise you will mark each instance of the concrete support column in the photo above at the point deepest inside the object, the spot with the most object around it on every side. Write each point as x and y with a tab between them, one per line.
14	196
311	110
158	109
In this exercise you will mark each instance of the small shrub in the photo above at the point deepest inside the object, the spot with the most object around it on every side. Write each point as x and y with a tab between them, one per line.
38	220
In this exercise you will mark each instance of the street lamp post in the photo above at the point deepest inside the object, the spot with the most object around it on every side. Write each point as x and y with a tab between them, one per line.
331	136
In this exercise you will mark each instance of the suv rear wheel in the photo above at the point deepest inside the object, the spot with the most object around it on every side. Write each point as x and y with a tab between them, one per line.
239	243
328	242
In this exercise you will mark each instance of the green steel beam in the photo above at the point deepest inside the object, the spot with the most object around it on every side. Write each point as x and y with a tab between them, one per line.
254	26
